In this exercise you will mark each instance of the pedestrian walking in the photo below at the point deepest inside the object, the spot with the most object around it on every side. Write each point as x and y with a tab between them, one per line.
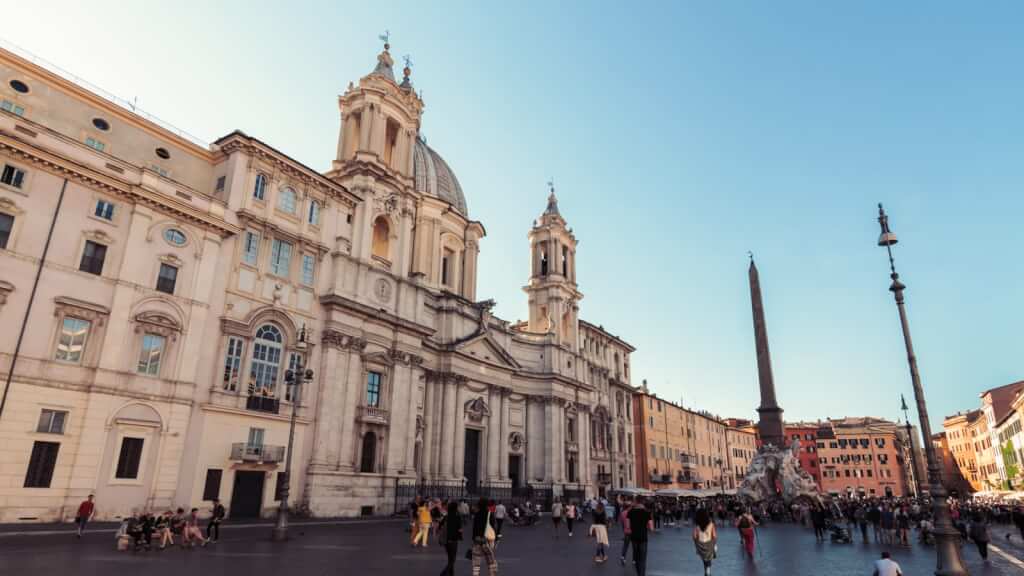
862	520
705	539
640	523
818	521
556	516
450	533
979	534
499	517
414	525
423	521
626	538
599	530
571	512
216	517
903	526
875	518
86	510
888	523
483	540
746	524
886	567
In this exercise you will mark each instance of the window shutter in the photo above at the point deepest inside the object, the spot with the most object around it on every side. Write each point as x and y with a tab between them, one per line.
211	490
41	464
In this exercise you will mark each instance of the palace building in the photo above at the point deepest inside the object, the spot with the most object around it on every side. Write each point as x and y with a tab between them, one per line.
155	291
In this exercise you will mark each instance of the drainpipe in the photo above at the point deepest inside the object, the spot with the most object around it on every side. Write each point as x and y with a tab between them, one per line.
31	299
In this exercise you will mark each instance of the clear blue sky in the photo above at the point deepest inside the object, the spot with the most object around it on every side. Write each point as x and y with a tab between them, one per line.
680	135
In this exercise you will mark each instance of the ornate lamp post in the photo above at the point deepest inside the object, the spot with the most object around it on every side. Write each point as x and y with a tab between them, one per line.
947	545
294	381
915	481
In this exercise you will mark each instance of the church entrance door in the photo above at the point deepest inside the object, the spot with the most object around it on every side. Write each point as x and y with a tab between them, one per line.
513	469
471	460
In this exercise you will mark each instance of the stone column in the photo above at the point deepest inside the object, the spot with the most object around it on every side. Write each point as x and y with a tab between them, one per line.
549	440
493	431
351	390
327	404
459	417
529	434
583	423
559	412
503	436
427	456
447	444
365	120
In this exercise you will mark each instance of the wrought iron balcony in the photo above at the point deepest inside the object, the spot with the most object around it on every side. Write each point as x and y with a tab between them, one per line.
263	453
604	477
373	415
661	478
263	404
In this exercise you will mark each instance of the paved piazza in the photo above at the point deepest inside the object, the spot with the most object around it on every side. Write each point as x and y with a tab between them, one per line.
380	547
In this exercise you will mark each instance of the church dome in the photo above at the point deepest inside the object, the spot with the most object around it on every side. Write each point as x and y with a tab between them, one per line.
434	178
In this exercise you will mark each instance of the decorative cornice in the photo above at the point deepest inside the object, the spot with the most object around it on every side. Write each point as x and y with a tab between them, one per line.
157	323
342	341
80	309
121	189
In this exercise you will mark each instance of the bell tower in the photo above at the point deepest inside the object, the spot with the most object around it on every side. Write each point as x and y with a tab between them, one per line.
553	294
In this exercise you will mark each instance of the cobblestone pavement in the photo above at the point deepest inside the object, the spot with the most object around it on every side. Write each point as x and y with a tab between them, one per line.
382	548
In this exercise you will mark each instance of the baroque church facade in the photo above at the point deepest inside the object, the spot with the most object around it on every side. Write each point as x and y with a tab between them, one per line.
167	287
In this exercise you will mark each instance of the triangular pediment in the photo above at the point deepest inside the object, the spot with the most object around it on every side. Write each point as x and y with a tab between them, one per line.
486	349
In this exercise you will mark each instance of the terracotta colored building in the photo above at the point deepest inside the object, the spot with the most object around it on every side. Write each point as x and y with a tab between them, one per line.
806	433
961	442
951	476
862	456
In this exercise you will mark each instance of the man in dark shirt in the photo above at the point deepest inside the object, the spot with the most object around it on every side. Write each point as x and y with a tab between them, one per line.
640	523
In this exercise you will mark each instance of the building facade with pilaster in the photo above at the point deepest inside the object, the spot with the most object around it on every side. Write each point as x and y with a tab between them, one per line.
186	279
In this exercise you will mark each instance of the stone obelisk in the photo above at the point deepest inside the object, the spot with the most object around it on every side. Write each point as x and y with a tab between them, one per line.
769	425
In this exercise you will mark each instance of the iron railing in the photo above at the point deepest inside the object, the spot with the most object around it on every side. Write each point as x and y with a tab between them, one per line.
265	453
263	404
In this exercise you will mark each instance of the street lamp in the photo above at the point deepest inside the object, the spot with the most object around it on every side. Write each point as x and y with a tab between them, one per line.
915	482
947	544
293	380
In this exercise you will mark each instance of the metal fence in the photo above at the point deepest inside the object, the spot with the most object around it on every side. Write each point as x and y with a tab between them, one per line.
407	489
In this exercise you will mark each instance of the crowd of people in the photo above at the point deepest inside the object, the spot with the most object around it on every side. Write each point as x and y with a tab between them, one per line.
144	531
890	522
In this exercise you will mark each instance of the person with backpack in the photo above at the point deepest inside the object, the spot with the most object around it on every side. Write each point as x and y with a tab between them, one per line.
979	534
624	520
599	530
570	516
746	524
640	524
705	539
556	516
483	540
449	533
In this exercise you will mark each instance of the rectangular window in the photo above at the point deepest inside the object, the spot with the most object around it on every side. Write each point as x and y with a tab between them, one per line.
94	143
446	267
92	258
150	354
51	421
280	257
220	184
654	451
314	213
13	177
233	363
71	344
12	108
129	458
251	252
308	265
104	210
167	279
211	488
373	388
6	225
255	438
41	464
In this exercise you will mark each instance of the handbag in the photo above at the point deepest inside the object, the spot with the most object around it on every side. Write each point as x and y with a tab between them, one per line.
489	534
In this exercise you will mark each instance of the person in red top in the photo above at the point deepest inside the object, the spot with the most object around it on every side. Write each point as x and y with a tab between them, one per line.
86	510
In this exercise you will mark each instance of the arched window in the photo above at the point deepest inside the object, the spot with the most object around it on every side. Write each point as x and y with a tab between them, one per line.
259	191
286	200
381	234
266	360
369	455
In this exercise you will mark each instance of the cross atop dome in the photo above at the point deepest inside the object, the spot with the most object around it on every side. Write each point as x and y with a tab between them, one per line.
385	63
552	200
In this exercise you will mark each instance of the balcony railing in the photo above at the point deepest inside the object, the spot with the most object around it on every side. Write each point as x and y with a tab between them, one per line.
263	453
373	415
263	404
661	478
604	477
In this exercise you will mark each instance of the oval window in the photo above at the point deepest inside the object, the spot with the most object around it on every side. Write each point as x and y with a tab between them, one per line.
175	236
163	153
19	86
101	124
